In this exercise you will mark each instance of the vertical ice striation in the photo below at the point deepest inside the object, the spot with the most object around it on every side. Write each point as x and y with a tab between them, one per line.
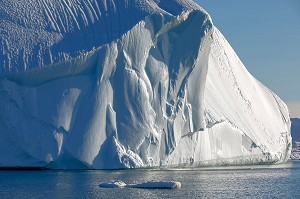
125	84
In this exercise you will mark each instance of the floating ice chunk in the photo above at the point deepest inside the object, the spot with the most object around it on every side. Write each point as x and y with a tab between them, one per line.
143	185
157	185
113	184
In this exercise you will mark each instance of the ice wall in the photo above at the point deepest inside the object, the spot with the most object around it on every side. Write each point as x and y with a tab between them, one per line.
168	91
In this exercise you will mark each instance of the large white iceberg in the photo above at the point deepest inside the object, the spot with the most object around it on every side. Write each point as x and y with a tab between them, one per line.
105	84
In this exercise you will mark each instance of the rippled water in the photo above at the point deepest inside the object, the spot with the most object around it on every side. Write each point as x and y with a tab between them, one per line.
276	181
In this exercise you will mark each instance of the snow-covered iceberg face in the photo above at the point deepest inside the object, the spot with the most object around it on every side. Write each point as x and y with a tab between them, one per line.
169	91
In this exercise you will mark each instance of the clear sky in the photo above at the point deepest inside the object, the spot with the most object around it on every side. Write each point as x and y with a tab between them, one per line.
266	36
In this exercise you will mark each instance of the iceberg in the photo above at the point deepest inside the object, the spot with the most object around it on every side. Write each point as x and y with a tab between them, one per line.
109	84
295	132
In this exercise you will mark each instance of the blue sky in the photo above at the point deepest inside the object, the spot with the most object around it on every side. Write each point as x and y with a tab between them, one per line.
266	36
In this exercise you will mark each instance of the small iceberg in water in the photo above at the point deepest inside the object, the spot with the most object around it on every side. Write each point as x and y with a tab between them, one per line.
113	184
143	185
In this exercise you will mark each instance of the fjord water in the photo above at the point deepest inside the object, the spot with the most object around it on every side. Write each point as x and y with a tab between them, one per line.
265	181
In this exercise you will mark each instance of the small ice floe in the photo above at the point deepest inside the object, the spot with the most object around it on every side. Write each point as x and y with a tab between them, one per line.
113	184
157	185
143	185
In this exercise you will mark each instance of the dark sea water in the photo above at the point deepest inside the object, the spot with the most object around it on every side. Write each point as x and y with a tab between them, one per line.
276	181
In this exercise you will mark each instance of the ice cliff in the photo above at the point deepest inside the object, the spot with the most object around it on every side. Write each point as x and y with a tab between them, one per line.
107	84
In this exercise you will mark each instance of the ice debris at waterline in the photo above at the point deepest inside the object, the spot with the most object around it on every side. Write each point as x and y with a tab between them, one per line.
143	185
92	84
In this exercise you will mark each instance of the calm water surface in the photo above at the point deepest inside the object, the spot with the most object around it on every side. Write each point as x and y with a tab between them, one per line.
277	181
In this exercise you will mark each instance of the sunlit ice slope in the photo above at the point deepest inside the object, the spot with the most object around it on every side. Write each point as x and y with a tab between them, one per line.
165	90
